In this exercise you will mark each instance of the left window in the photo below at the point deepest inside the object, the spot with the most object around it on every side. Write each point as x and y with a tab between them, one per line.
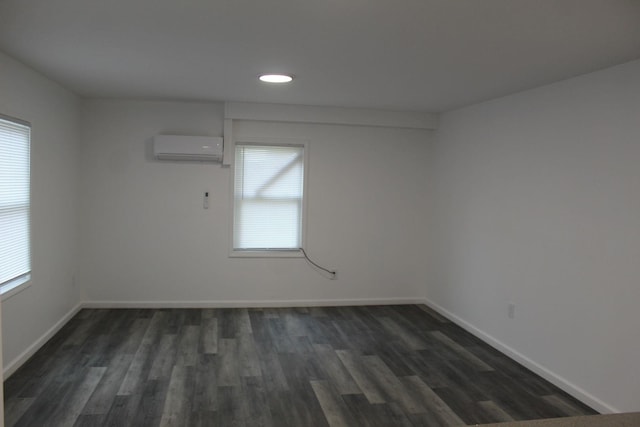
15	206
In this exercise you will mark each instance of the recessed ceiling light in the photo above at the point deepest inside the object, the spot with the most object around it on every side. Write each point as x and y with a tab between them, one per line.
275	78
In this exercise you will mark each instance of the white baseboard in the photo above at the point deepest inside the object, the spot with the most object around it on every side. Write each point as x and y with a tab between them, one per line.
552	377
13	366
251	303
545	373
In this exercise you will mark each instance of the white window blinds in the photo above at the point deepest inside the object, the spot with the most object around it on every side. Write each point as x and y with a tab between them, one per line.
268	197
14	200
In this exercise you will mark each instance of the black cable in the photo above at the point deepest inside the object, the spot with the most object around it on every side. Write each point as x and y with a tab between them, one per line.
321	268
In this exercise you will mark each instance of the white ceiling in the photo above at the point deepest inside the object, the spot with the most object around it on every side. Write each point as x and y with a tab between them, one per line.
427	55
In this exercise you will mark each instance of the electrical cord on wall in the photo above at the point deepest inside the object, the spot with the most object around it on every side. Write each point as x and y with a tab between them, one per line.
333	273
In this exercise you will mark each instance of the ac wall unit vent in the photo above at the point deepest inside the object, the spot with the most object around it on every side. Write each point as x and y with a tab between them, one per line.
180	147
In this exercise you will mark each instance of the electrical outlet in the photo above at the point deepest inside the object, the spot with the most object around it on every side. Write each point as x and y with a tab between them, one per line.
511	310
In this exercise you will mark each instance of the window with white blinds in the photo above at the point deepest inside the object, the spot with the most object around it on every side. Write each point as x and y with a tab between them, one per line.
15	260
268	197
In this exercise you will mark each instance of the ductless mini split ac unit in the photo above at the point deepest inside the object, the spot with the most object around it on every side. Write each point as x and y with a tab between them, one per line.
180	147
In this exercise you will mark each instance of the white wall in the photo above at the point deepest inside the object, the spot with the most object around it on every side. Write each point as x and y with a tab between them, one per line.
146	237
53	113
538	203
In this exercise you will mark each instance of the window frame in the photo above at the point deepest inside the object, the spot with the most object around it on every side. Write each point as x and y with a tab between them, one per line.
270	253
23	281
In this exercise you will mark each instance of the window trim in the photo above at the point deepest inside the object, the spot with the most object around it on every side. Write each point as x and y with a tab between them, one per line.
18	284
15	286
270	253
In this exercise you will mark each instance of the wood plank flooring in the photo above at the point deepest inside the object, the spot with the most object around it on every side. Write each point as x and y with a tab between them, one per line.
339	366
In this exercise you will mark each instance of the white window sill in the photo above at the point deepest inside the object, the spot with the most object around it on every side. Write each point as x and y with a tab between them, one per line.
266	254
14	287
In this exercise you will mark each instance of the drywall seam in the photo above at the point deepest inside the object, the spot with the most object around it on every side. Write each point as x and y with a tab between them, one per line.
330	115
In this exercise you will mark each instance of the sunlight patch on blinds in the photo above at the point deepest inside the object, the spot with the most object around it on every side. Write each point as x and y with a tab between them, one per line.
268	194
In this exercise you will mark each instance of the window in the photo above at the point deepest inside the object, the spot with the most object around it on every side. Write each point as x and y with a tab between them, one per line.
15	259
268	198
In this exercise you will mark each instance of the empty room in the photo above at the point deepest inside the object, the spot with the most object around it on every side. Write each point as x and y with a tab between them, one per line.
294	213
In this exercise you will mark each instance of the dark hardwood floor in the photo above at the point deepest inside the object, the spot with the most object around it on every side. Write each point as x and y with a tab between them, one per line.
338	366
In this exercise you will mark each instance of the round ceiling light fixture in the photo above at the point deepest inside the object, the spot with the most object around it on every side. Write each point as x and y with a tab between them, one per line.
275	78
